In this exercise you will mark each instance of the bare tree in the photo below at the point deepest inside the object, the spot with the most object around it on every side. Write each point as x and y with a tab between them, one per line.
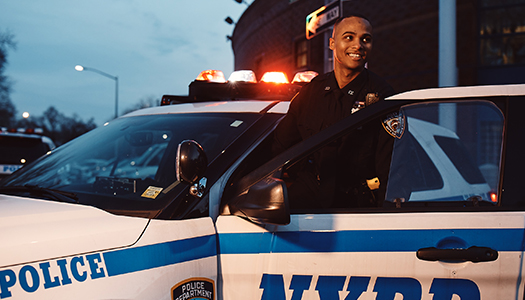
146	102
7	109
61	128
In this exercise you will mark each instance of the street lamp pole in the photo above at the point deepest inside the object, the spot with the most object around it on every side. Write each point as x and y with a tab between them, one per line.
82	68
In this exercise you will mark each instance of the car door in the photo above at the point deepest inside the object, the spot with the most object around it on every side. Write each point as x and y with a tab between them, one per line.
440	230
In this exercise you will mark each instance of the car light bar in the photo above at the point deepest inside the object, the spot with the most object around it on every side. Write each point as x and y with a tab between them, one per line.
211	85
23	130
248	76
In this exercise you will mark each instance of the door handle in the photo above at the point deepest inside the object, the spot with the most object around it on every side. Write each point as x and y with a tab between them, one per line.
473	254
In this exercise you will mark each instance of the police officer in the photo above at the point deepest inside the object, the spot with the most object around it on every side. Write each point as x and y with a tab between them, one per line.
323	102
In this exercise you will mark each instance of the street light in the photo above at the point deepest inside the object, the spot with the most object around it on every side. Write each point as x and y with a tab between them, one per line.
81	68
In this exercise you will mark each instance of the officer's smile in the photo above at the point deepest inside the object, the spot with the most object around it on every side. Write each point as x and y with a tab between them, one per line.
355	56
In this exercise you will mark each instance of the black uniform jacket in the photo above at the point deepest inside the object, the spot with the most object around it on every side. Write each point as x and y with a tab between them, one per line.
339	169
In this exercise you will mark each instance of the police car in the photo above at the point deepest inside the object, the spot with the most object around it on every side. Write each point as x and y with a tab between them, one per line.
21	146
186	201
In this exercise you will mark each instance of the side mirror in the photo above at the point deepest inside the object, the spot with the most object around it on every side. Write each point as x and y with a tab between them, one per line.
191	161
265	202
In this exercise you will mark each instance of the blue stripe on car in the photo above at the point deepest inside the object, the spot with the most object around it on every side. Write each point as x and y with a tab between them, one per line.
158	255
366	240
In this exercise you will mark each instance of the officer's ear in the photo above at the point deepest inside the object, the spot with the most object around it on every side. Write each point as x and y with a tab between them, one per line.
332	43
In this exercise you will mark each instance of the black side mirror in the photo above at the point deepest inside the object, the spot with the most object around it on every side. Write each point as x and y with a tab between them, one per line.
191	161
265	202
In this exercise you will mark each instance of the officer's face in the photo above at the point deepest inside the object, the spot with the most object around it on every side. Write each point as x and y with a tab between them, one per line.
351	43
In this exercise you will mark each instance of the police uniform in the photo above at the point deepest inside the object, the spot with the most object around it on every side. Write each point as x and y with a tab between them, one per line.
329	177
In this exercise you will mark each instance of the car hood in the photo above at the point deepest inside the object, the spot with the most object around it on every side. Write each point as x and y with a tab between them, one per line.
33	230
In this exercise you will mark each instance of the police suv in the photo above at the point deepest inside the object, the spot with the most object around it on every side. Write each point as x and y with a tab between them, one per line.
21	146
186	201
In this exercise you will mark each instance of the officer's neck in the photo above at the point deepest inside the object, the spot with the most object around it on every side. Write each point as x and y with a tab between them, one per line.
345	76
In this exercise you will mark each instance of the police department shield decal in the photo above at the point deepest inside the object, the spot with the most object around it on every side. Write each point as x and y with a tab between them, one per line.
194	288
394	124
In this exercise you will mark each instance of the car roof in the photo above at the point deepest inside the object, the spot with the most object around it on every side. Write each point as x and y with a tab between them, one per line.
21	135
244	106
281	107
462	92
34	136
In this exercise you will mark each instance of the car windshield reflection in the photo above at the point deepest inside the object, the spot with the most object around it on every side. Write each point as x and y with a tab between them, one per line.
130	155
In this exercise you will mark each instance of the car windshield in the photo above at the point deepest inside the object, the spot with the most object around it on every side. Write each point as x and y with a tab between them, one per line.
131	158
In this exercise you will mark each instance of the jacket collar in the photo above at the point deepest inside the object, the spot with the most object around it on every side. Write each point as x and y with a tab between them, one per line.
352	88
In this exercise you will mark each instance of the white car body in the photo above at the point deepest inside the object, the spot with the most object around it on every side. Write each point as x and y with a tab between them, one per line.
59	250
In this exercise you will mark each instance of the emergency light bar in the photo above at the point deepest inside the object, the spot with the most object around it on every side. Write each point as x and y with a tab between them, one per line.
23	130
211	85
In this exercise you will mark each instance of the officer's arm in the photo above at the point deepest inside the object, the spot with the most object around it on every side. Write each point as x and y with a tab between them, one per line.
383	155
287	133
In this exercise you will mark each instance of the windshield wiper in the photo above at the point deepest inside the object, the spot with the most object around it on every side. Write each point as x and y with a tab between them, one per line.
50	194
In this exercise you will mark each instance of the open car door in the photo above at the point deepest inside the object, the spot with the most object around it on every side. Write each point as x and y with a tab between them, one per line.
439	231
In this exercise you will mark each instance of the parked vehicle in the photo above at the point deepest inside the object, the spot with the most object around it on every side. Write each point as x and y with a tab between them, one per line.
20	147
186	201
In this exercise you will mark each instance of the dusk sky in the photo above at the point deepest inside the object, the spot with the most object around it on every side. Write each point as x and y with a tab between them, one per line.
155	47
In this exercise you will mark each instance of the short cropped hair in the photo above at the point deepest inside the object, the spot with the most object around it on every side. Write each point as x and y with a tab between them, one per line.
349	16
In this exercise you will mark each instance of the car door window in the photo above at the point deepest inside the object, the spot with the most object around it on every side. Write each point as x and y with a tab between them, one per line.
454	159
412	157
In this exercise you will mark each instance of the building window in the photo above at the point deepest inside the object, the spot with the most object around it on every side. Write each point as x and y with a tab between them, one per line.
502	32
301	54
490	142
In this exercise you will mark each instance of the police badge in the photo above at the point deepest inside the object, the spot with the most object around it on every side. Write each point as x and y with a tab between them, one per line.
371	98
394	124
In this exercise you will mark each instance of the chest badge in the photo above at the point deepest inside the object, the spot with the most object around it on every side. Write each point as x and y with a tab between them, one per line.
371	98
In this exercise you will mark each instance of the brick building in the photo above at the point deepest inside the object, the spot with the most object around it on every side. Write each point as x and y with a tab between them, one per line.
490	35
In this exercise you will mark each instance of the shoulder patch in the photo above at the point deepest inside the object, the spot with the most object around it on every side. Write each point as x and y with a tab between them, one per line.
394	124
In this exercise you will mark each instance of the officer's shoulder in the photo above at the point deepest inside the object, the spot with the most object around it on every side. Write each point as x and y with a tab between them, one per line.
375	78
322	77
317	81
378	83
